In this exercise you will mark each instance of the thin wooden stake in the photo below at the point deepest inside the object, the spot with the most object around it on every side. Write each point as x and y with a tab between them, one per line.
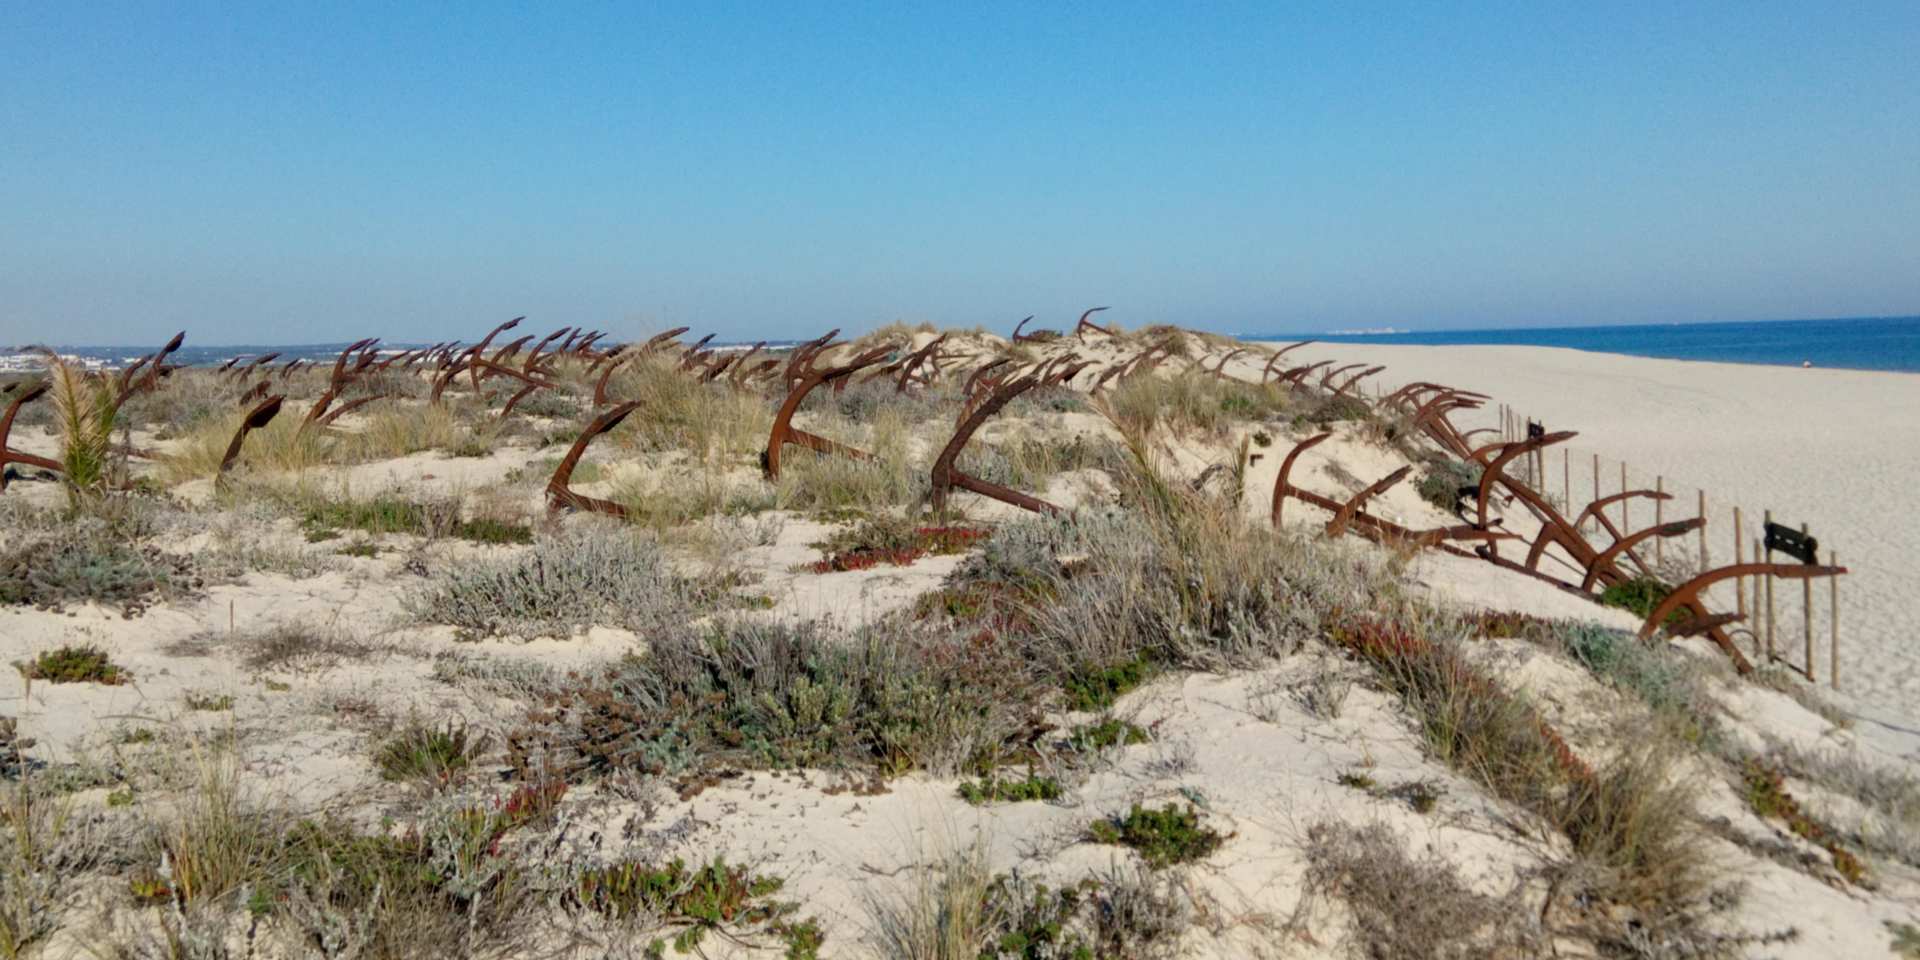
1700	510
1806	613
1596	476
1659	517
1833	612
1739	583
1765	627
1626	525
1566	479
1768	518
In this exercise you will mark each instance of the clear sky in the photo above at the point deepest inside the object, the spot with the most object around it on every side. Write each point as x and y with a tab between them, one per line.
260	173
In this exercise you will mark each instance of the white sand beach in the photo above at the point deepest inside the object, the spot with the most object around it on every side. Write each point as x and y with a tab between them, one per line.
1838	450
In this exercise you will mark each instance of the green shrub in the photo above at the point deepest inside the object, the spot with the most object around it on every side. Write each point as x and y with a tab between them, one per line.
1162	837
573	580
775	695
1097	689
714	898
1103	734
88	664
324	521
1639	595
1443	480
87	563
994	790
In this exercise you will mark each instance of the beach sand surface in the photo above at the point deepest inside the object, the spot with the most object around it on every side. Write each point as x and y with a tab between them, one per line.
1838	450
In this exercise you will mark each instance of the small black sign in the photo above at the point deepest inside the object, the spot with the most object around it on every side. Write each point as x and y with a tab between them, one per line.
1792	542
1535	430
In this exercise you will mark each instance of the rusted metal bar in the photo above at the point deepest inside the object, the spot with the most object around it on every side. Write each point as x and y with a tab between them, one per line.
1329	374
1356	378
947	474
1292	378
338	381
784	432
691	354
1281	487
1605	558
22	397
560	493
256	418
919	358
1220	369
1687	596
479	349
1277	354
156	367
718	368
342	410
1338	525
1081	328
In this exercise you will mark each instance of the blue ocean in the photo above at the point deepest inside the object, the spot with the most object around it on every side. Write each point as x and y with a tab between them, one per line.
1867	343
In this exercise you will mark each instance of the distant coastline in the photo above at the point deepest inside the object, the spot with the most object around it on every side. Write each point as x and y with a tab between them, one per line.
1867	343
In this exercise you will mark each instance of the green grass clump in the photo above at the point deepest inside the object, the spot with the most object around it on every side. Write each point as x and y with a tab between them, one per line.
1097	689
210	702
1162	837
1442	482
433	754
714	898
1111	732
1638	595
325	519
87	664
994	790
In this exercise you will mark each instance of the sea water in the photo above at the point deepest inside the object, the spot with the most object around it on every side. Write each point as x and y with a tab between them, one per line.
1874	343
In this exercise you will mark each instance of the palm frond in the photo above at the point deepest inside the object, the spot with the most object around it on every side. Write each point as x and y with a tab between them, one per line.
83	412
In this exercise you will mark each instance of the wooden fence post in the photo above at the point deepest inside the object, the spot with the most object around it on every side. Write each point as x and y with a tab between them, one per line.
1659	517
1739	583
1833	612
1806	613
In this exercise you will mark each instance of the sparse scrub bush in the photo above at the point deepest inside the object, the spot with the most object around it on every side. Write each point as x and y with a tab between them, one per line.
715	898
1193	401
1126	912
763	695
1890	797
1418	909
283	646
395	430
1766	794
948	912
279	447
713	422
597	575
513	677
46	850
819	482
85	563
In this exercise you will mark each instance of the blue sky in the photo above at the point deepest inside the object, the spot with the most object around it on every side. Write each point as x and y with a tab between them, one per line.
260	173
